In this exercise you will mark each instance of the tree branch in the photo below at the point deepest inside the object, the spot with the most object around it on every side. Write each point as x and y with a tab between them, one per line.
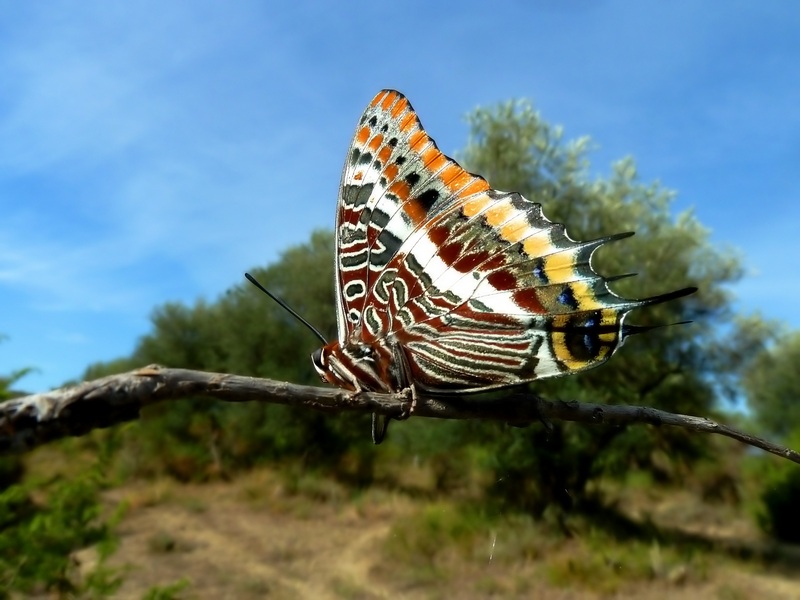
30	421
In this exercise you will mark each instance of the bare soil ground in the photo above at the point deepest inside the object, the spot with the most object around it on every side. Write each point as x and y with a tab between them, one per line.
252	539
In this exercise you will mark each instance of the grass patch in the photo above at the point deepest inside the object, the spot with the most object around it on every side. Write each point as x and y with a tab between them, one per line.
292	490
432	544
170	591
490	586
255	586
507	554
162	542
519	538
148	494
350	590
315	487
424	536
195	505
602	564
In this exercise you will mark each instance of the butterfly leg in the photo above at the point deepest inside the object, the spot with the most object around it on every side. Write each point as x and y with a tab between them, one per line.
408	407
380	423
404	383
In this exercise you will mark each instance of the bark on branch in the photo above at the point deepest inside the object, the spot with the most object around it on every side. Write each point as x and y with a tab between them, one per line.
30	421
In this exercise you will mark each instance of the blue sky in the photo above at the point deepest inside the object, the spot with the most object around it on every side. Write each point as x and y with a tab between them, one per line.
154	151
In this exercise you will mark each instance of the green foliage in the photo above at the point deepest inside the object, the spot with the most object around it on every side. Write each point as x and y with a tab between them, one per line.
780	496
451	450
420	544
603	566
42	525
772	384
439	540
515	149
167	592
11	465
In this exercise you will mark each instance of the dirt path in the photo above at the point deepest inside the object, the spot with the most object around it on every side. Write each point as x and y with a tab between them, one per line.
245	540
230	548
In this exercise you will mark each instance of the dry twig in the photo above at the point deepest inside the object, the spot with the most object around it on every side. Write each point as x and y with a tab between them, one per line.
30	421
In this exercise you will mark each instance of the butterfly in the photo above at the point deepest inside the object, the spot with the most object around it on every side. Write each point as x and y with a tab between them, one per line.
445	285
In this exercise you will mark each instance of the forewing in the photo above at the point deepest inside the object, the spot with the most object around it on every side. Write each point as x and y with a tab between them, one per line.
394	179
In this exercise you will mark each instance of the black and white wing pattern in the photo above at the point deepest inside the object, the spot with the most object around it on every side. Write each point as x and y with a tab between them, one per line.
447	285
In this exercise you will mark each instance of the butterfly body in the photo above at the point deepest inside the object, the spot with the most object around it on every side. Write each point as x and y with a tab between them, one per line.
449	286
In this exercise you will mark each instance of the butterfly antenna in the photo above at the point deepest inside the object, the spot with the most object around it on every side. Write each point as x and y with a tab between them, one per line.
286	307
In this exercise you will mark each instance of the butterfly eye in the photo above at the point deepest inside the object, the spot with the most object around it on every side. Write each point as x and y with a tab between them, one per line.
319	360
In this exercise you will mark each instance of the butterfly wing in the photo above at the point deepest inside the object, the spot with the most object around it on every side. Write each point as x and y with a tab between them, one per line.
477	287
509	297
390	156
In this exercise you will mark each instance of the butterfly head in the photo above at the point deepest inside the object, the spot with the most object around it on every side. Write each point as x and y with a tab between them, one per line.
326	366
351	366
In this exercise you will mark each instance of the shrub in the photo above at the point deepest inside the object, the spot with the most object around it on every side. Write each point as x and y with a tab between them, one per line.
41	526
781	497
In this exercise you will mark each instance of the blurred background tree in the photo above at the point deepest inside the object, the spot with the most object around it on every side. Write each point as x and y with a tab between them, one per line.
771	382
